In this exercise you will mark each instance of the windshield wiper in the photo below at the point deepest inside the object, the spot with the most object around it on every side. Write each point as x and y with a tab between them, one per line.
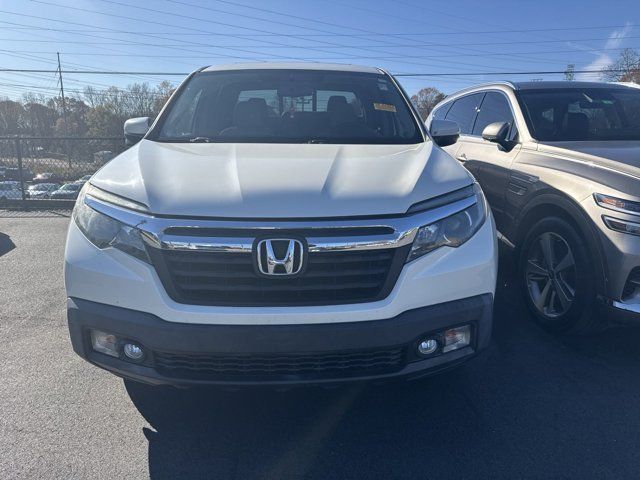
201	140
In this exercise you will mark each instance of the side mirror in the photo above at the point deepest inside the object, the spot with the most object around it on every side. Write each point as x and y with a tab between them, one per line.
135	129
444	132
497	133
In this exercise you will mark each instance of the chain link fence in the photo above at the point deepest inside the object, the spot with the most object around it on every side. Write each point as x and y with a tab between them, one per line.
43	175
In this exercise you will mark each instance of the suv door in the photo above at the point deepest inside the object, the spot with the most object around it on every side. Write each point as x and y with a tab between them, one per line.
491	162
463	111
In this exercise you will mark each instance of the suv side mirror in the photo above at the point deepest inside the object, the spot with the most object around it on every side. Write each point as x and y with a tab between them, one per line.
497	133
135	129
444	132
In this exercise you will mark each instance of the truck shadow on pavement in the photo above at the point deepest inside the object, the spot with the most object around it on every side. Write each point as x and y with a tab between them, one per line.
6	245
532	404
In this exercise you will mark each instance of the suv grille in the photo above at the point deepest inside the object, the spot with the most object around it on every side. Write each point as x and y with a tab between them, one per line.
257	366
213	278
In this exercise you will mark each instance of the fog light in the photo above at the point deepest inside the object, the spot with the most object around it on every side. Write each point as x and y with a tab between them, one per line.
103	342
456	338
133	351
428	346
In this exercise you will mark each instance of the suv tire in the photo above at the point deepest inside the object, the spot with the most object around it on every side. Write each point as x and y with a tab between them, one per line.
558	278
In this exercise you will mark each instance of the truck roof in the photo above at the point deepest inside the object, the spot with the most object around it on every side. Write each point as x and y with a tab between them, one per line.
292	66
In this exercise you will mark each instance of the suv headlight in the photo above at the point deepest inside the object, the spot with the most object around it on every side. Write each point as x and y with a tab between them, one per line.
104	231
617	204
451	231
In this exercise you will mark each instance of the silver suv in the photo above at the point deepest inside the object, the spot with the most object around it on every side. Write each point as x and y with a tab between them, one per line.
559	163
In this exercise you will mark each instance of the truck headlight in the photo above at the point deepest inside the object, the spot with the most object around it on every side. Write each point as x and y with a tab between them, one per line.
452	231
104	231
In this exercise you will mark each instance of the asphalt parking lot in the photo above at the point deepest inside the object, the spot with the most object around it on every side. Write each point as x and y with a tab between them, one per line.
531	406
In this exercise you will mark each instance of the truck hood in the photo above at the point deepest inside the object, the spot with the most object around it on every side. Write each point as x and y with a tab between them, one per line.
280	180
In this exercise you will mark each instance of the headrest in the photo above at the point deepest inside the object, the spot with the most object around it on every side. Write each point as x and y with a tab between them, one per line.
336	101
250	113
341	112
577	125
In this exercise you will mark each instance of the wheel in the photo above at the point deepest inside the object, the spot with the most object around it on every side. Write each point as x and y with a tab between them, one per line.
558	278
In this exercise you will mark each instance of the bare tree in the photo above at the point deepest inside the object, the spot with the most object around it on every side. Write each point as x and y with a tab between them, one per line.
426	99
625	69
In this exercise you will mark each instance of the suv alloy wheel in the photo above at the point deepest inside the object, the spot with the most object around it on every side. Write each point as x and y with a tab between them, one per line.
557	277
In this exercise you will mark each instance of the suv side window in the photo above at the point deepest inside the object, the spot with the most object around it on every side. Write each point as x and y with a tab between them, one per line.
494	108
464	110
441	112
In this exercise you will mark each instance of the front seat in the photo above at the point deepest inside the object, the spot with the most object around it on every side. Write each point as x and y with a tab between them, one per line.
343	120
250	118
577	126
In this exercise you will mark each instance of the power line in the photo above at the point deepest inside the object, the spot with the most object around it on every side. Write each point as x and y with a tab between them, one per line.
441	74
539	72
398	59
356	47
375	49
204	56
91	72
356	35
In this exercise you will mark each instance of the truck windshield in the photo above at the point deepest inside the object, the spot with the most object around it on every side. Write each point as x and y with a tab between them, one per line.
582	114
289	106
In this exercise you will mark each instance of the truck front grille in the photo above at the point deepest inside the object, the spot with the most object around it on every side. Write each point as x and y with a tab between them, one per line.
261	366
229	278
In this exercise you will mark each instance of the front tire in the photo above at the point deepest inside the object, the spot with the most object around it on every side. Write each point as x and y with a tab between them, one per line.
557	276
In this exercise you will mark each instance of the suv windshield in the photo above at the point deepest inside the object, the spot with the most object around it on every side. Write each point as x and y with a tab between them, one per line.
289	106
575	114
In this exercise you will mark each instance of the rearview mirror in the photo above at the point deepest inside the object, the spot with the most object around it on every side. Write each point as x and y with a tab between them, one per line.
135	129
497	132
444	132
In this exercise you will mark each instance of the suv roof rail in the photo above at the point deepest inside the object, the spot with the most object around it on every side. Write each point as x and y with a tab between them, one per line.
503	83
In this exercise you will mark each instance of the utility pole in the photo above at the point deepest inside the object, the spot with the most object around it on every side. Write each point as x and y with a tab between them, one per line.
569	74
64	111
64	105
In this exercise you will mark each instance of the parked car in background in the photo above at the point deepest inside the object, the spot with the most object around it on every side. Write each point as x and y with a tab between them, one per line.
281	223
84	178
560	165
46	177
42	190
103	156
9	191
13	173
68	191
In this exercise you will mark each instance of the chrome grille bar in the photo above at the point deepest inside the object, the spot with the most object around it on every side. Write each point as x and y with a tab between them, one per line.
404	229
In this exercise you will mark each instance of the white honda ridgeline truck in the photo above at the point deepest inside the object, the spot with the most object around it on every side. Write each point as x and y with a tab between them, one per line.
277	224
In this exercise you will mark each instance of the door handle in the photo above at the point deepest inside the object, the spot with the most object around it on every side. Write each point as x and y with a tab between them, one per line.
462	157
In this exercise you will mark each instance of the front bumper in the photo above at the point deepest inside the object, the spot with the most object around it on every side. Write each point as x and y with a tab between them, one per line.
233	343
620	312
447	274
621	256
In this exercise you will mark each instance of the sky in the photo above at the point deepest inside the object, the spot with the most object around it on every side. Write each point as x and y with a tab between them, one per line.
458	43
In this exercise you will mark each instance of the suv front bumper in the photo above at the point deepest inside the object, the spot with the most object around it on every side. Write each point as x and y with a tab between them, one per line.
313	343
